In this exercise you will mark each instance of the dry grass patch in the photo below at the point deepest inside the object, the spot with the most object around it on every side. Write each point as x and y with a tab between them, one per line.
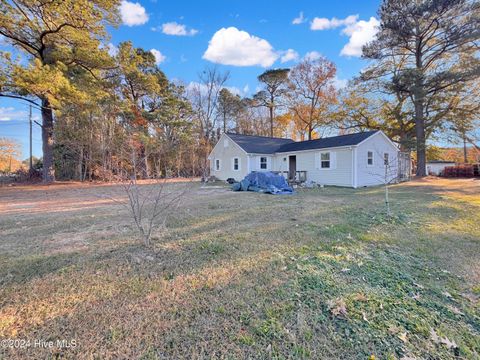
321	274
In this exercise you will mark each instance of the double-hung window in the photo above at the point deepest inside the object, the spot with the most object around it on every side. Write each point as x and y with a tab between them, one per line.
263	163
217	164
236	164
370	158
385	159
325	160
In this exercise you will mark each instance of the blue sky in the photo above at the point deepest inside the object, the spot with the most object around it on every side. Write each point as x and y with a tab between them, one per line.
243	37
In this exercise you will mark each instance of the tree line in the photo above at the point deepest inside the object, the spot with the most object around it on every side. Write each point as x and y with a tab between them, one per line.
110	115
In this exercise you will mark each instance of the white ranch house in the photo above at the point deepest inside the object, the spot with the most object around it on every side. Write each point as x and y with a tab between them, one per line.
353	160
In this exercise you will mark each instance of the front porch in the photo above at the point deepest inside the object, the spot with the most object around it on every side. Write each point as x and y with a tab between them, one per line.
293	177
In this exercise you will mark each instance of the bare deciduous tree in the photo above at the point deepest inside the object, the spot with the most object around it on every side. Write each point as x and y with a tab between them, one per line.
313	92
386	169
151	204
204	97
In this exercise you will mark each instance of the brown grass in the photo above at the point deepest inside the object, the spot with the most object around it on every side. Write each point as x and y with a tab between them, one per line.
241	275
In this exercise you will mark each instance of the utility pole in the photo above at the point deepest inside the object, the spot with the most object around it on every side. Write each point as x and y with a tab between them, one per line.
31	158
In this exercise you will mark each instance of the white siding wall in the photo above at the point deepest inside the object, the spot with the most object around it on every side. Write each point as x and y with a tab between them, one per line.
226	154
340	172
255	163
437	168
375	175
279	164
347	164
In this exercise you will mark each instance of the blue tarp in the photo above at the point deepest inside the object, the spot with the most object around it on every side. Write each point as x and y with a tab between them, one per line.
265	182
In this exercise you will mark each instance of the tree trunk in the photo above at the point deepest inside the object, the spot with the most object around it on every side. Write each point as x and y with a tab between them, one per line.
47	142
310	130
271	120
420	133
418	99
465	153
80	165
147	167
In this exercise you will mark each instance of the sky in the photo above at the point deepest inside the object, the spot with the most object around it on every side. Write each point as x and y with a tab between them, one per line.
244	38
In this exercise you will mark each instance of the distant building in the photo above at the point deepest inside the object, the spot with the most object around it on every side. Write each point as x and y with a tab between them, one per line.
436	167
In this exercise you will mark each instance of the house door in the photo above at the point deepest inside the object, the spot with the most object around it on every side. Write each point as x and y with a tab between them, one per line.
292	167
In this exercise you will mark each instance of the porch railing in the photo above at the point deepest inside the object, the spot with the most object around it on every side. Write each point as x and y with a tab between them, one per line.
298	176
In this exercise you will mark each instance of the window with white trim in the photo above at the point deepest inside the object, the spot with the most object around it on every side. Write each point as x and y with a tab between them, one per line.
325	160
386	159
370	158
263	162
217	164
236	164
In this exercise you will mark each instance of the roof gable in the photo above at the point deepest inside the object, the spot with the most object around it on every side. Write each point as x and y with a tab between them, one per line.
258	144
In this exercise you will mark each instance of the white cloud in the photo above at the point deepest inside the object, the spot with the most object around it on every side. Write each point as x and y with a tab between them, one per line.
299	20
289	55
360	34
133	13
234	90
176	29
312	55
112	49
324	23
340	83
230	46
194	86
10	114
159	57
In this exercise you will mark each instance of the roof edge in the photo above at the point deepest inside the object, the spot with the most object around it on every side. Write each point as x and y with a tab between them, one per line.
261	136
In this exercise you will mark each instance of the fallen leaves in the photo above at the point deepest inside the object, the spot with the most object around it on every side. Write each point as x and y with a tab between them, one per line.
455	310
416	296
403	337
447	294
364	317
448	343
360	297
442	340
418	285
337	307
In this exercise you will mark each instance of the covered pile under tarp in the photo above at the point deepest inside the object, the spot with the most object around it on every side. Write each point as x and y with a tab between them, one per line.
265	182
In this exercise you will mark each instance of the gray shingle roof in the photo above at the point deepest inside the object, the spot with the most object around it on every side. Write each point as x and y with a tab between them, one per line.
259	144
329	142
269	145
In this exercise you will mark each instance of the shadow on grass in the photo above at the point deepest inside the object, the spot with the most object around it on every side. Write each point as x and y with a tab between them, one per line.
267	285
20	270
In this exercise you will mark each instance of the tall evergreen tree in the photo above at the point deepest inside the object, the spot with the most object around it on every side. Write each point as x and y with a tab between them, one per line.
438	40
228	106
60	39
275	87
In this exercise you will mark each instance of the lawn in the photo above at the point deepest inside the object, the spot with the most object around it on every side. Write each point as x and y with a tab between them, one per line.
322	274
